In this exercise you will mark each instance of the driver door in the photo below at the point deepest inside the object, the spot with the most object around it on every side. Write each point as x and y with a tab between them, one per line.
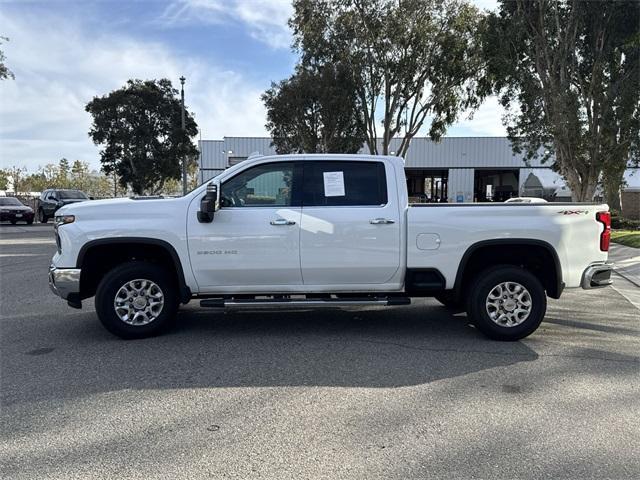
254	239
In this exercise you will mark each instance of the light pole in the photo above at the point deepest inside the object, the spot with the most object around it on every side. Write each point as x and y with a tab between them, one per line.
184	160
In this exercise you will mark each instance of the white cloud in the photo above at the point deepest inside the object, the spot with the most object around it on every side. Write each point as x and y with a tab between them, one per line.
60	66
265	20
484	122
486	4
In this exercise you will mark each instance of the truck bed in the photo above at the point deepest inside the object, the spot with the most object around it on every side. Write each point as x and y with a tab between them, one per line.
439	235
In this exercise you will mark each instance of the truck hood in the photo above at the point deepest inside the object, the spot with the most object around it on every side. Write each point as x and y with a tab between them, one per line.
120	207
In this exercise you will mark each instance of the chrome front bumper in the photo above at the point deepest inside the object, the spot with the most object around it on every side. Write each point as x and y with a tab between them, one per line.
597	275
64	282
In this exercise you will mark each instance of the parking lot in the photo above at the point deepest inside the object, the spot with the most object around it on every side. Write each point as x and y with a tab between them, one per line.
409	392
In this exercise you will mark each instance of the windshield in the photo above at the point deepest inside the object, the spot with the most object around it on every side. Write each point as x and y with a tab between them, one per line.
10	201
68	194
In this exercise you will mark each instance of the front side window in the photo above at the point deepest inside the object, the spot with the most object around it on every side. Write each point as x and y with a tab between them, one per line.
352	183
268	185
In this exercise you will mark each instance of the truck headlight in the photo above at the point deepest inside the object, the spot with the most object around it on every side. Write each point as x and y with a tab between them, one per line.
64	219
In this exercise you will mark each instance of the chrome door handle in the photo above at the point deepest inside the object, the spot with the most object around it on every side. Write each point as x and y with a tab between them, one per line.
380	221
282	221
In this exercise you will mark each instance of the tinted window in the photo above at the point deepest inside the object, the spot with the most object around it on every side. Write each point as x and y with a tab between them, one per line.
344	183
261	186
68	194
10	201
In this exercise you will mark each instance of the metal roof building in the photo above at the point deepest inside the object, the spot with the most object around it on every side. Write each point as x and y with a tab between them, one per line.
455	169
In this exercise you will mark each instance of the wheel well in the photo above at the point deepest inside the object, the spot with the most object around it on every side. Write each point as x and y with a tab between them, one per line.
538	258
96	260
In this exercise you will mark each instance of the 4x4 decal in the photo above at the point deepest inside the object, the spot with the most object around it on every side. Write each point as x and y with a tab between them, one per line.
574	212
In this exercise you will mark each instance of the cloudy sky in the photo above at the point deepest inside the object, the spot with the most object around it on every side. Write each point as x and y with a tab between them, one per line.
64	53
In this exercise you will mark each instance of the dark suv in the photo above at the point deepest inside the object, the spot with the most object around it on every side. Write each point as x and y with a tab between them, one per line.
51	200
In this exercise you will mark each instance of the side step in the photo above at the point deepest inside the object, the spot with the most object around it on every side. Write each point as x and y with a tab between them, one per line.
302	302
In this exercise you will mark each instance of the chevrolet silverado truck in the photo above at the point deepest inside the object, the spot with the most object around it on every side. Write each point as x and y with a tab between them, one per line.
323	231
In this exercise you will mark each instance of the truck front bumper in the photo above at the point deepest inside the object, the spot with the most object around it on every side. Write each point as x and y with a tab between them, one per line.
65	282
597	275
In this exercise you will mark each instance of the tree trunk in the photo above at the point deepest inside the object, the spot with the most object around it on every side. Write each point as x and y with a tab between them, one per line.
612	184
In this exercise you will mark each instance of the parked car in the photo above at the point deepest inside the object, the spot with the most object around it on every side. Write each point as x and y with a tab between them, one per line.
14	211
526	200
323	230
51	200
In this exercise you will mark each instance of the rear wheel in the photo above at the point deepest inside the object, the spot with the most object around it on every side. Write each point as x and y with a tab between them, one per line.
137	300
30	221
13	222
42	218
506	303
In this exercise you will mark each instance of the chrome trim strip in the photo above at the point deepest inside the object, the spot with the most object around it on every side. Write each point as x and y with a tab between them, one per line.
301	303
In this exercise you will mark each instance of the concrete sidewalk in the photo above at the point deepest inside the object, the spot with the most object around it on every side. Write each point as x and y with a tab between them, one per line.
626	279
627	260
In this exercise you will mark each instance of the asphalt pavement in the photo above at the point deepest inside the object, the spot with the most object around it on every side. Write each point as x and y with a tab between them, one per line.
408	392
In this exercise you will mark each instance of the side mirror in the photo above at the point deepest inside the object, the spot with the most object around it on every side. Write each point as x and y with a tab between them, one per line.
208	204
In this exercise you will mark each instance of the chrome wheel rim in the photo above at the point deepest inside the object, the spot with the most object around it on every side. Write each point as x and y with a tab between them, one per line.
508	304
138	302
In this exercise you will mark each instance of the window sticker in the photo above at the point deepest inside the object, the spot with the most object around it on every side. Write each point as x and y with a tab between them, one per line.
333	184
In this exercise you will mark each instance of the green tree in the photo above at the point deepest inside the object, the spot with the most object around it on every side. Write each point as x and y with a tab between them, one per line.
4	179
413	60
139	127
568	71
315	111
62	177
4	70
80	174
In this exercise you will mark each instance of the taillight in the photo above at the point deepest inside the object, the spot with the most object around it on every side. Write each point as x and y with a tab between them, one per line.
605	237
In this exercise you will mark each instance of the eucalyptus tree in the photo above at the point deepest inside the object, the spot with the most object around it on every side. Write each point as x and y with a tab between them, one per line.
414	62
568	71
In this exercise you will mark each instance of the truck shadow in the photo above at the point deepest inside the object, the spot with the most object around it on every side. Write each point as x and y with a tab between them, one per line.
375	348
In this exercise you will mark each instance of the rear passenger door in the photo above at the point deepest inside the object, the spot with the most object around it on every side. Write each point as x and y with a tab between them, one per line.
350	226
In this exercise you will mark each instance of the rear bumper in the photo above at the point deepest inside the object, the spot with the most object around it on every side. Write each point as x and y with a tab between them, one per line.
597	275
65	282
16	217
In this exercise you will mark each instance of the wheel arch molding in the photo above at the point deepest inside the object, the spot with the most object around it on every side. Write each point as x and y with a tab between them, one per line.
87	252
504	250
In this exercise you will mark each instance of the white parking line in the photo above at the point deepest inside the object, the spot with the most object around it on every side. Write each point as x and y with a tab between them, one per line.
27	241
23	255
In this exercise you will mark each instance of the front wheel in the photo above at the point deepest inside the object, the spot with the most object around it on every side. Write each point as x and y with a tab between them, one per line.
137	300
507	303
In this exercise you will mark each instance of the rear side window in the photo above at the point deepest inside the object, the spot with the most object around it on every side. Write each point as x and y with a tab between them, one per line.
344	184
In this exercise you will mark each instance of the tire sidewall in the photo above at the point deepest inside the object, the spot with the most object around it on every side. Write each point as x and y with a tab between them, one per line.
485	282
115	279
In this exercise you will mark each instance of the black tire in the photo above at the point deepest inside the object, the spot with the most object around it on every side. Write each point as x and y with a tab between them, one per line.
119	276
42	218
30	222
13	222
449	300
485	282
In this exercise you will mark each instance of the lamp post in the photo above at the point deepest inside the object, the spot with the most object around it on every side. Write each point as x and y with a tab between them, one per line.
184	160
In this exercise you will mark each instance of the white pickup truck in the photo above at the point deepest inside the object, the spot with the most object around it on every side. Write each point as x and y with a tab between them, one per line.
323	230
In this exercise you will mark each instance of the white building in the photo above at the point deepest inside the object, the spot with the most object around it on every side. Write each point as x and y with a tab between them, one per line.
456	169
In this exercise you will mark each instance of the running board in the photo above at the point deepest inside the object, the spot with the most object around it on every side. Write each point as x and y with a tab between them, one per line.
315	303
